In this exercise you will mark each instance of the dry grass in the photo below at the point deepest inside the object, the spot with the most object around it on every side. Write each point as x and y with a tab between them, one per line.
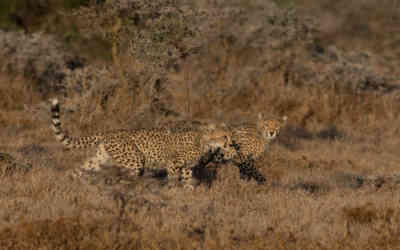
332	176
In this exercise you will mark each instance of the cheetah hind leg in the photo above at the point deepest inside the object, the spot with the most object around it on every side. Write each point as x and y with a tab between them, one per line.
93	164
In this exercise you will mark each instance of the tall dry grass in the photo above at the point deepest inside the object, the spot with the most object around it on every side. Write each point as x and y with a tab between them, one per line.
332	176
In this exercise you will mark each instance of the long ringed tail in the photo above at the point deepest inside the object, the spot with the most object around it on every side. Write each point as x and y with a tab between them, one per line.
67	141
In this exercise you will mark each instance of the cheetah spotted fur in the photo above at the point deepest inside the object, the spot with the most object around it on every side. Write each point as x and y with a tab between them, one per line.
249	142
138	149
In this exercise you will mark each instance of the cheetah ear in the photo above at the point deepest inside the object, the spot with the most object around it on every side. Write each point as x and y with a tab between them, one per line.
260	116
284	118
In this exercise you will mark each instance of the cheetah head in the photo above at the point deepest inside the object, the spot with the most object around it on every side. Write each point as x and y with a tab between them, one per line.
217	137
270	128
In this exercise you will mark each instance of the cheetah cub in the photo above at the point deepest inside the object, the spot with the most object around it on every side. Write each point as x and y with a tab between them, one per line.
249	142
177	151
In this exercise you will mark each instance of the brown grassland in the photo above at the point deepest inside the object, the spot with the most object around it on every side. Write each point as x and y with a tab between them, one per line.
333	175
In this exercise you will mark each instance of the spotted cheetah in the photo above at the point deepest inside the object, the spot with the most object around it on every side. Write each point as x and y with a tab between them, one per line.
138	149
249	142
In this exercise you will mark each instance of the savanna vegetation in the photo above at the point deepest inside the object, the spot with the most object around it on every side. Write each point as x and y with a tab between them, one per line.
332	176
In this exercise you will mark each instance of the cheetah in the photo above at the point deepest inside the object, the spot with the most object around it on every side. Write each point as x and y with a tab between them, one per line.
249	142
178	151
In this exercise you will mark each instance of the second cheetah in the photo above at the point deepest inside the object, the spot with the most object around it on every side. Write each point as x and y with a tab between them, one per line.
249	142
137	149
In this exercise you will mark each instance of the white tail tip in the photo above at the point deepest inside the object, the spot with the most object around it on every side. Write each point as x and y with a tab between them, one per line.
54	101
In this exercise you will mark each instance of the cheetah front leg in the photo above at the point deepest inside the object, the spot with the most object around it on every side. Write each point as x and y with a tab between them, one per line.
173	171
187	178
184	168
247	171
246	166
